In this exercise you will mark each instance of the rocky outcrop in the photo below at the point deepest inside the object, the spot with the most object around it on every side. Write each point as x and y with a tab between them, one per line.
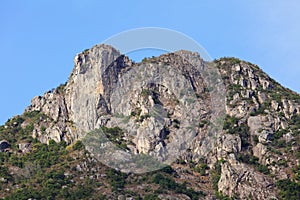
88	90
106	88
170	107
25	147
74	108
246	182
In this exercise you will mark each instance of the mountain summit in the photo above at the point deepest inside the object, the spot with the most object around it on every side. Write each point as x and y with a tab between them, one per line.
226	129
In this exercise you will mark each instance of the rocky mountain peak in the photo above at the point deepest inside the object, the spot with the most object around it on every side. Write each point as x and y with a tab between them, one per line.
168	107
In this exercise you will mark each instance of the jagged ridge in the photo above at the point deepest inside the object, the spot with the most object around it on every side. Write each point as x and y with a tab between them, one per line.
259	145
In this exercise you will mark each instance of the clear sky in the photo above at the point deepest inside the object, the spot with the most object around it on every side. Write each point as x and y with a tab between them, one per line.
38	39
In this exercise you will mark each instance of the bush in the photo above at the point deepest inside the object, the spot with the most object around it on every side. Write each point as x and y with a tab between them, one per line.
61	88
252	160
164	182
232	126
35	116
115	135
201	168
78	145
4	173
220	196
288	189
295	122
117	179
248	159
202	123
263	169
46	156
169	184
232	60
168	169
25	194
151	197
216	174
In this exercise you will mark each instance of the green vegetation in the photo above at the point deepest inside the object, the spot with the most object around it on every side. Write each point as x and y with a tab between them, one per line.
289	190
136	112
52	189
4	173
231	60
283	93
168	170
61	88
117	179
216	174
295	123
203	123
164	179
259	111
14	133
78	145
151	92
278	134
145	93
11	128
296	172
166	183
232	126
46	181
220	196
252	160
42	175
144	60
277	141
43	155
151	197
115	135
201	168
248	159
149	59
35	116
232	90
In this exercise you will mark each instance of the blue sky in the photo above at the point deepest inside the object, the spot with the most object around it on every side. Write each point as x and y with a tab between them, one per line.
40	38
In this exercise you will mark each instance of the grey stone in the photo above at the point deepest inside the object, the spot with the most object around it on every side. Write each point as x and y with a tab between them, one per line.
105	88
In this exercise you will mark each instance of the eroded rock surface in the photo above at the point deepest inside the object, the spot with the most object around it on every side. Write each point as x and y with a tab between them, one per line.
166	108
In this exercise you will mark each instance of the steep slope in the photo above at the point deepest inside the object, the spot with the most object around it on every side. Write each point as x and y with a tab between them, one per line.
165	107
265	116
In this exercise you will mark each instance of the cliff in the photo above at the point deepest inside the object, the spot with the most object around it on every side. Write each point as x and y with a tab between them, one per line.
225	127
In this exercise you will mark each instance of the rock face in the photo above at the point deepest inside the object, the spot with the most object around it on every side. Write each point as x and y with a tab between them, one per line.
76	106
106	88
90	84
25	147
165	106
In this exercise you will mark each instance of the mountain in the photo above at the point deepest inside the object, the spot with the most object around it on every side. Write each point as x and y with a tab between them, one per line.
225	129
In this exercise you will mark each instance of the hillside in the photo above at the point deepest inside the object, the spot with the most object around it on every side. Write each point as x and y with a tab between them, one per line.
225	130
